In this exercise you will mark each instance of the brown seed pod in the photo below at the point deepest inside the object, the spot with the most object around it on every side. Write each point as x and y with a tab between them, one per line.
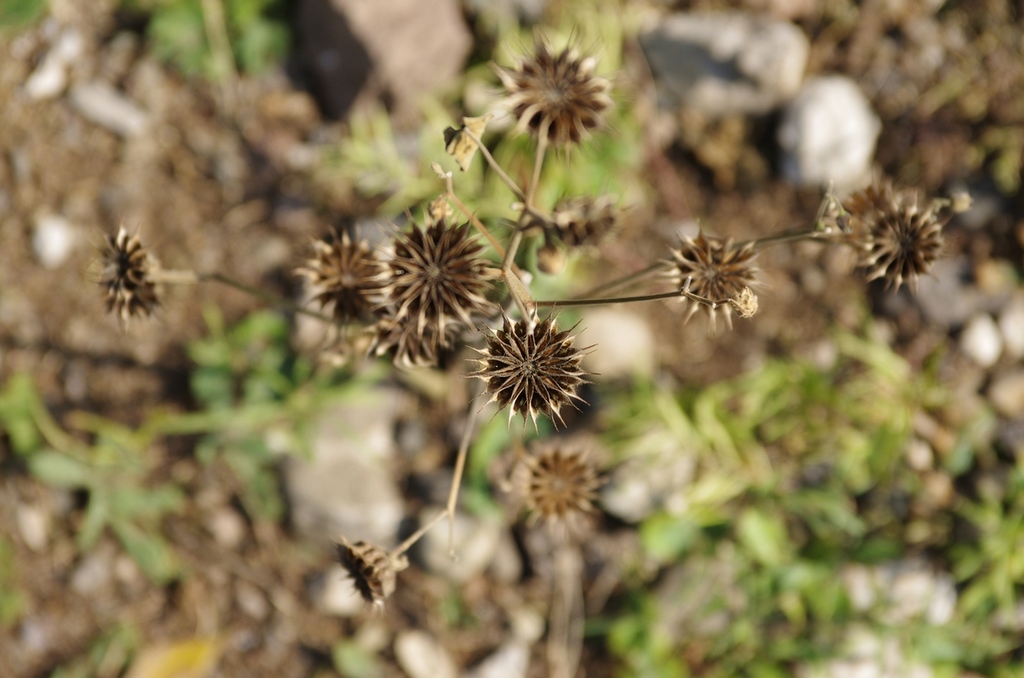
559	482
344	278
127	276
556	94
717	271
895	238
373	570
531	367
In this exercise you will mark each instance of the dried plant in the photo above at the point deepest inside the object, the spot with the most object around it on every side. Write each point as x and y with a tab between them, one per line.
531	367
559	483
556	96
714	269
127	276
372	569
344	278
896	239
437	290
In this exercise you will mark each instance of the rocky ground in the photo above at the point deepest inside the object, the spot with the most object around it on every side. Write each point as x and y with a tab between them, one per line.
96	132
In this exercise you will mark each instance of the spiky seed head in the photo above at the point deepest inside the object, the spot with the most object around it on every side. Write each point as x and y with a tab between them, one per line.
127	275
409	346
584	220
344	278
717	271
532	368
559	482
372	569
896	239
437	278
557	95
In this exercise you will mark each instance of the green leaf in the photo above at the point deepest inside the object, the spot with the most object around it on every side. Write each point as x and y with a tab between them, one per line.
150	552
60	470
764	536
667	538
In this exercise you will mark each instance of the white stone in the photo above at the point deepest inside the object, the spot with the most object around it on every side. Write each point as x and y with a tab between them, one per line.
476	543
828	134
226	526
1011	324
100	103
623	343
421	656
34	526
981	340
53	240
1007	394
51	76
726	62
511	660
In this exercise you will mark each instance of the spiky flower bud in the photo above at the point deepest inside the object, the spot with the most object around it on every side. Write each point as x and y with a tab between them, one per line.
717	271
896	239
344	278
556	95
127	276
530	367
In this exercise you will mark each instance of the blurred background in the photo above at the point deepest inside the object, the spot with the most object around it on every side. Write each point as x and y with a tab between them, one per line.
832	488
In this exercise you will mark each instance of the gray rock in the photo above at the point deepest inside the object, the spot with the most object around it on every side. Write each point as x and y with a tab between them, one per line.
53	240
1007	394
421	656
726	62
347	487
100	103
476	543
658	476
389	50
500	12
335	594
981	340
828	134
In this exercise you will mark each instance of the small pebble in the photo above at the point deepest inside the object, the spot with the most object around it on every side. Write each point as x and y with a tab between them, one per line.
34	526
100	103
1006	394
226	526
981	340
337	595
1011	324
51	76
421	656
53	240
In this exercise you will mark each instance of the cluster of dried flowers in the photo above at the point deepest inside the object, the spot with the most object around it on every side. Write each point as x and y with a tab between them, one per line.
434	286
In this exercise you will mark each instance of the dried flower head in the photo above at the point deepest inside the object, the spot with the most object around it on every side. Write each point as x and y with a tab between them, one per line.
532	368
410	347
437	278
127	275
897	240
344	278
373	570
581	221
745	303
716	270
559	483
556	95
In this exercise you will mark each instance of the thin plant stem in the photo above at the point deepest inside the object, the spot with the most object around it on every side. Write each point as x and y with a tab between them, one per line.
538	162
516	288
565	640
460	467
175	277
495	166
477	224
272	299
682	292
624	281
417	535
